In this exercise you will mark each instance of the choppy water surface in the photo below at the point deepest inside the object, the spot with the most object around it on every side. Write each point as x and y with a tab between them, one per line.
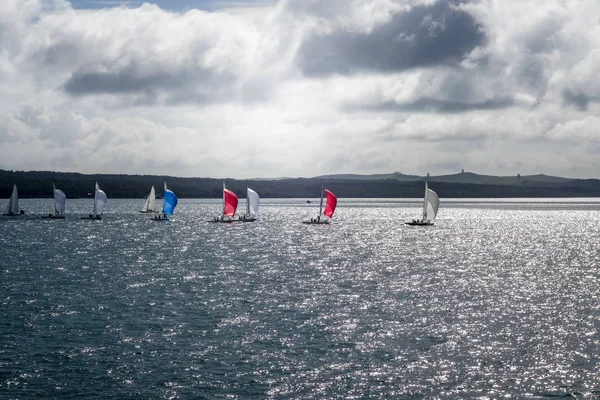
498	299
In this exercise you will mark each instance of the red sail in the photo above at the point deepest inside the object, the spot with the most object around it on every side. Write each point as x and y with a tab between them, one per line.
231	202
331	203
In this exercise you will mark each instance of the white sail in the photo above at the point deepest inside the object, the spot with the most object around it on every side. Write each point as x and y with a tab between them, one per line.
100	201
253	202
13	203
321	205
432	204
60	201
150	203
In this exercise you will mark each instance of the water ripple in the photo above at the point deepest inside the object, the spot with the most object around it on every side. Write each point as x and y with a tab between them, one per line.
498	299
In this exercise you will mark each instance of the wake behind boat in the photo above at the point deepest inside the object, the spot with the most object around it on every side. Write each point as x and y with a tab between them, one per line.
431	204
60	201
169	204
100	201
230	203
329	209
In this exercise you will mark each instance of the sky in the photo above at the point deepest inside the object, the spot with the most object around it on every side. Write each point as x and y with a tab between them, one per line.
262	88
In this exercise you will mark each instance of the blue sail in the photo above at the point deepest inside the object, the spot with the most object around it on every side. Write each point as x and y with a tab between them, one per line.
170	201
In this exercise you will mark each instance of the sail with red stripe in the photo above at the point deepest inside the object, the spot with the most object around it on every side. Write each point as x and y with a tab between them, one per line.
331	204
230	203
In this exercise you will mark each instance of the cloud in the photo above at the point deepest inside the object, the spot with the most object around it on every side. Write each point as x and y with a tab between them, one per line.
306	87
425	35
156	55
430	105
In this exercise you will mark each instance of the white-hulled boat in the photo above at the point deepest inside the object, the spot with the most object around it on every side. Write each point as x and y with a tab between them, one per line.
60	202
431	204
230	203
100	201
12	208
252	203
169	204
150	204
329	209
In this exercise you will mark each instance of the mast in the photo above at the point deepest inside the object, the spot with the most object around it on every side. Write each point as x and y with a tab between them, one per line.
95	198
247	201
321	205
54	195
223	199
425	202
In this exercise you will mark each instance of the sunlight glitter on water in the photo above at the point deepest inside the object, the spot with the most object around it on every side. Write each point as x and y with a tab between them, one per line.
498	299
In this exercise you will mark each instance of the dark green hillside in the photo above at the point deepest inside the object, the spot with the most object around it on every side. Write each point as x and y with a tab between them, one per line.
39	184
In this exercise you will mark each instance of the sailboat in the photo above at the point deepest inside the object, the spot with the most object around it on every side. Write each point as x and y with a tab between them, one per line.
150	204
169	203
329	208
252	203
60	201
230	203
12	208
100	201
431	203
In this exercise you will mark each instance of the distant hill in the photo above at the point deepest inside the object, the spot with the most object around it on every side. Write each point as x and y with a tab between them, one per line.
39	184
461	177
395	175
525	180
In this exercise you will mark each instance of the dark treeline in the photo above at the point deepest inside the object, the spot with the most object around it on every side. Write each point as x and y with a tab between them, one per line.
39	184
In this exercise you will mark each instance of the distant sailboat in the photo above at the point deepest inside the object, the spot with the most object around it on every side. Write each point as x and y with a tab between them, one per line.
100	201
150	204
12	208
230	203
60	201
329	208
431	203
169	204
252	203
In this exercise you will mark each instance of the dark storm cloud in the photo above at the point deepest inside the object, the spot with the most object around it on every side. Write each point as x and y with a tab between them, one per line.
424	36
576	99
129	79
426	104
182	84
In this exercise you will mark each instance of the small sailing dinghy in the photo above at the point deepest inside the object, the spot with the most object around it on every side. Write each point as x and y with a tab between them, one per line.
100	201
252	203
150	204
60	201
169	203
230	203
431	203
329	209
12	208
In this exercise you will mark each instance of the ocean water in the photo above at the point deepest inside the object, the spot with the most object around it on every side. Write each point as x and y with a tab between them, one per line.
500	299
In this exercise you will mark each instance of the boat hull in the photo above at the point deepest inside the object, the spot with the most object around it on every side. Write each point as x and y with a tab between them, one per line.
317	222
53	217
147	212
247	219
96	218
221	221
419	223
11	215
